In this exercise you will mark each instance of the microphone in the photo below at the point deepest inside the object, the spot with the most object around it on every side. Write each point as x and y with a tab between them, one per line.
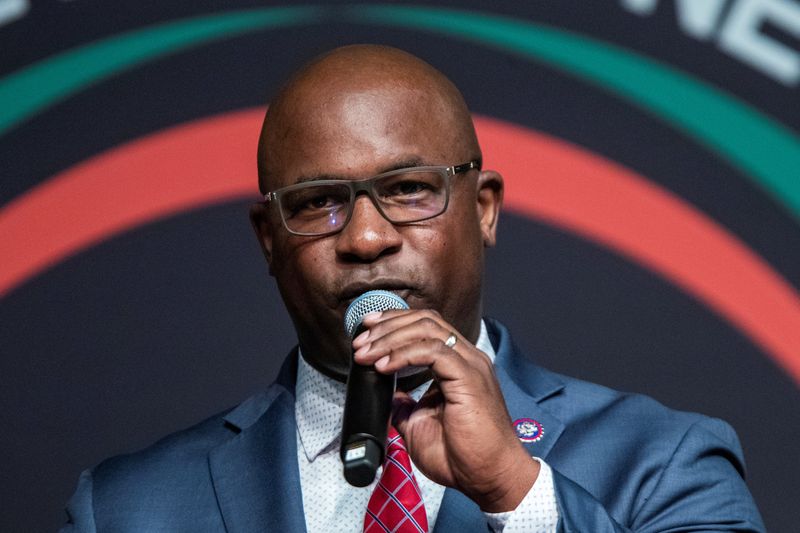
368	404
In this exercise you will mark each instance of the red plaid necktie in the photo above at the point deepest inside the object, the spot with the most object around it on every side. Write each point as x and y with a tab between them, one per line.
396	503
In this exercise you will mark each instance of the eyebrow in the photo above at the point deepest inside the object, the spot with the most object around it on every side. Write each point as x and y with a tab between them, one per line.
410	162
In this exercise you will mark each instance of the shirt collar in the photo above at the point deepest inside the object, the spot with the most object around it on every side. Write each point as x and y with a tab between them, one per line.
319	404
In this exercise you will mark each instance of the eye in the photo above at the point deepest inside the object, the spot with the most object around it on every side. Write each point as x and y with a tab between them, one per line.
315	201
409	187
319	202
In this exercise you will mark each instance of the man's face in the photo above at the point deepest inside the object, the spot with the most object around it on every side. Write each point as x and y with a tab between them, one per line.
433	264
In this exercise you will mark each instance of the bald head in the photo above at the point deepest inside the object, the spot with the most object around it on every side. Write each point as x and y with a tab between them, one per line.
373	89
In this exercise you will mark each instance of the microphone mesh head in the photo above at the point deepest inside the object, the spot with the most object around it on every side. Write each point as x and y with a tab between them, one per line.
370	302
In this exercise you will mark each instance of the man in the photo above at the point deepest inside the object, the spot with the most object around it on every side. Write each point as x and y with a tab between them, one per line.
372	174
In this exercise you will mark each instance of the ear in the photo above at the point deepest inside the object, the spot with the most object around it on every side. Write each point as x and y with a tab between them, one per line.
259	217
490	199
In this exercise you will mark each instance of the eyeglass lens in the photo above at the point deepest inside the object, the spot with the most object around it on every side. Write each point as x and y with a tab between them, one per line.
403	197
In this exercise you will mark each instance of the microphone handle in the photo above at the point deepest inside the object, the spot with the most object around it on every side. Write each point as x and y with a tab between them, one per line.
367	409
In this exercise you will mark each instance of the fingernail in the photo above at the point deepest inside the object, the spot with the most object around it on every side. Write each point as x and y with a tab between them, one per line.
371	317
381	363
361	337
361	351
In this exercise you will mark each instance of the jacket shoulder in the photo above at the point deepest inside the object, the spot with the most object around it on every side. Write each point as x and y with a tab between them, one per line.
160	483
590	404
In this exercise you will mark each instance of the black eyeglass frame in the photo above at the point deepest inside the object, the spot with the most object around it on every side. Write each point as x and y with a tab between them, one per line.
366	185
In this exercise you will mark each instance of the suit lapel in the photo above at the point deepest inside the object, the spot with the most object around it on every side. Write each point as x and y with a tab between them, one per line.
523	406
255	474
525	388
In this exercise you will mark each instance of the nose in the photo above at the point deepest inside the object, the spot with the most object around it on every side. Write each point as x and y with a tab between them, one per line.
368	236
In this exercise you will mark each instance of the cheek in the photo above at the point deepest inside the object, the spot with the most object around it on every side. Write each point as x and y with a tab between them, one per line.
301	264
453	250
464	229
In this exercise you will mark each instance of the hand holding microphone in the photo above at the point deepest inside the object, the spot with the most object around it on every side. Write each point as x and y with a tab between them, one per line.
459	434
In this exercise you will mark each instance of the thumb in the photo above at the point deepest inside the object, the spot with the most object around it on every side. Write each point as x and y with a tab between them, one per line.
402	407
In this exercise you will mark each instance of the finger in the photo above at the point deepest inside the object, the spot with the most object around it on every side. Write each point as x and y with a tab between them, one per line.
402	407
374	318
426	328
394	334
377	323
446	364
393	320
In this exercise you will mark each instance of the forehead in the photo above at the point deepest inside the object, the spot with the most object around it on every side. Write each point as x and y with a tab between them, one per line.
356	132
399	165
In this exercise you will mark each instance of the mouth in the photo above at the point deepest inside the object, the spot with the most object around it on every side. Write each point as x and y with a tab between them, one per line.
354	290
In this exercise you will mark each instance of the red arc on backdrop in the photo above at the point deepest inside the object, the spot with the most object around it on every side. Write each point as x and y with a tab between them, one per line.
210	161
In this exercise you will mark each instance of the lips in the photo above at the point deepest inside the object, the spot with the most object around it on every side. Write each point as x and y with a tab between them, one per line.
353	290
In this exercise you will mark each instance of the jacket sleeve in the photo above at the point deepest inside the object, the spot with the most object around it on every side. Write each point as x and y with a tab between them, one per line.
701	488
80	509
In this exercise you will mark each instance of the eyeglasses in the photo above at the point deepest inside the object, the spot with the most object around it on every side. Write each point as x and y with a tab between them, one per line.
403	196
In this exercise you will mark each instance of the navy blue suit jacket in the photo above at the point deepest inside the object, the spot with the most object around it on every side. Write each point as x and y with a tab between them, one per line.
620	462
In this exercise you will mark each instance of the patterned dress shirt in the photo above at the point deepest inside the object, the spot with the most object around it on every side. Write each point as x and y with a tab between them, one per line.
331	504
